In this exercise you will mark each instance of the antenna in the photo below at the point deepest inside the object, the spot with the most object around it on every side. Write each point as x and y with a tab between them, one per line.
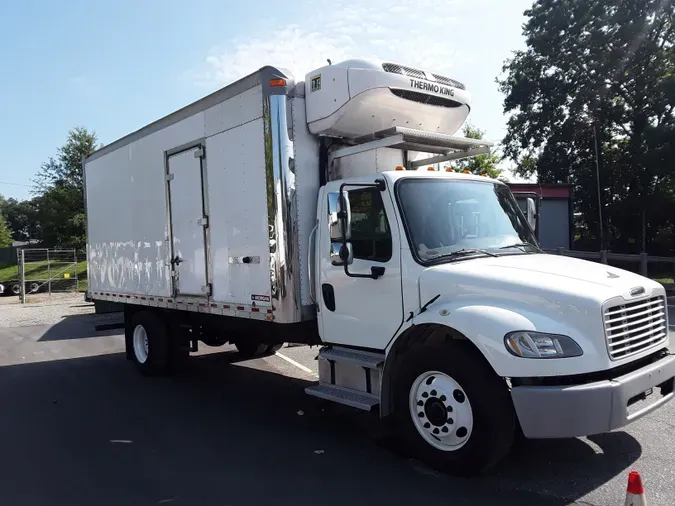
329	62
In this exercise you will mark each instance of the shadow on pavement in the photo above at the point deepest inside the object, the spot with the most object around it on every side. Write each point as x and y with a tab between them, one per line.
84	326
93	431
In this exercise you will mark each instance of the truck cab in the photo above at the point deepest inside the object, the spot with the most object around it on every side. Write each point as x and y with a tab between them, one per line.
436	304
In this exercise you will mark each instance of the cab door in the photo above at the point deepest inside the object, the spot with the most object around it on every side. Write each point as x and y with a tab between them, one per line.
363	306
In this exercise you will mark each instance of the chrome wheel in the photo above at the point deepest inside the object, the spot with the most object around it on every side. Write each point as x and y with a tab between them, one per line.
140	339
441	411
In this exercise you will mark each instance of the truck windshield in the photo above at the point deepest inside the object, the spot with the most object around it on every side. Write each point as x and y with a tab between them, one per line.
458	219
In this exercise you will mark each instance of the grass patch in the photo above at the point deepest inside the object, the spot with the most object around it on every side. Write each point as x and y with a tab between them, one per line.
62	274
664	281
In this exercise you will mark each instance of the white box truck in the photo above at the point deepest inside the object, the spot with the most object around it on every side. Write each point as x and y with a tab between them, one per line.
276	210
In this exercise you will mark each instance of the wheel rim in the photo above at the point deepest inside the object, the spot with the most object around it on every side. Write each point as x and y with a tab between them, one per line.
16	289
140	344
441	411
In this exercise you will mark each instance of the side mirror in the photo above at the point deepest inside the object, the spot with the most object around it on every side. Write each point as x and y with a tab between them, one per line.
341	253
531	213
340	217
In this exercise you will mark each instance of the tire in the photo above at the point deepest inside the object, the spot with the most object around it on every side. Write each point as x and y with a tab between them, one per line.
16	289
33	288
459	403
150	343
250	349
273	348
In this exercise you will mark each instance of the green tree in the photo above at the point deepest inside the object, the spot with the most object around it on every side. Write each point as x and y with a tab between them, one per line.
59	204
598	74
5	233
481	164
21	218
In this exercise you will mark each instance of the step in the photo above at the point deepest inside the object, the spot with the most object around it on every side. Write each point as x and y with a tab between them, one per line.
359	400
362	358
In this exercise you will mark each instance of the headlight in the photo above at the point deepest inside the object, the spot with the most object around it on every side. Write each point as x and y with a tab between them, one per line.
527	344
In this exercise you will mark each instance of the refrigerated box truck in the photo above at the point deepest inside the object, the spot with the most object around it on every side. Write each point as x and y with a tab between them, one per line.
276	210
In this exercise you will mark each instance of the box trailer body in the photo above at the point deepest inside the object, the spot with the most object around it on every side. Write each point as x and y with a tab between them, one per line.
209	204
277	211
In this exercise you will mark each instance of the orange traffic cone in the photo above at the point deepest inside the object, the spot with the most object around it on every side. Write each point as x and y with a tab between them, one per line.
635	492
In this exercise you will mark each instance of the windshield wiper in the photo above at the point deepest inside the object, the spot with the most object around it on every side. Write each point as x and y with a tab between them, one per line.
520	245
462	252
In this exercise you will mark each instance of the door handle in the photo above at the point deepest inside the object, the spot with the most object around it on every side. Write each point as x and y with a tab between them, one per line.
328	296
176	260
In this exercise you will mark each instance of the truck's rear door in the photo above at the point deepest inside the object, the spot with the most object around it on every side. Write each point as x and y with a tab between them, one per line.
188	221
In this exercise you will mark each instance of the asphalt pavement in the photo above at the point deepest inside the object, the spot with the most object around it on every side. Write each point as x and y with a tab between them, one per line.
81	427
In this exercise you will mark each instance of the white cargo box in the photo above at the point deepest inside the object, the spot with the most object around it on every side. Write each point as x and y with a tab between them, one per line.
201	210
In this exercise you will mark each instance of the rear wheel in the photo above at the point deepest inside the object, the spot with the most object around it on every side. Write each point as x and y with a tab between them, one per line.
253	349
150	346
452	410
273	348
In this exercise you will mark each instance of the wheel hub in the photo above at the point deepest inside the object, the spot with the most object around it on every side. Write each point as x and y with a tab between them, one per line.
435	411
441	411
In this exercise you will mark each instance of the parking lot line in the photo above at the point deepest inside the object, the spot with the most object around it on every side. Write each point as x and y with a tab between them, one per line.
296	364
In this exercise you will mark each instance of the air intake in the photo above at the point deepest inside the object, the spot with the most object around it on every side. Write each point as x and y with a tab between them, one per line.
394	68
423	98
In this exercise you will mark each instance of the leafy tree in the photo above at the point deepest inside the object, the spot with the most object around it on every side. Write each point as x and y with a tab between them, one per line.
59	204
599	76
481	164
21	218
5	233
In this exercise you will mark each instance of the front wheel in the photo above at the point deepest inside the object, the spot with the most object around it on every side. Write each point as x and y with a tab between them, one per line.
452	410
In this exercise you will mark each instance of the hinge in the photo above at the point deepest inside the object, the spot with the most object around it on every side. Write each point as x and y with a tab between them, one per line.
203	222
207	289
199	153
169	177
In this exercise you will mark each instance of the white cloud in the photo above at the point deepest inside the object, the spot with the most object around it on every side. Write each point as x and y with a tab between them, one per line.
407	31
467	40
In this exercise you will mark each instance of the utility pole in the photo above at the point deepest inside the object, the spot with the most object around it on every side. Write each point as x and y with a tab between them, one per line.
597	175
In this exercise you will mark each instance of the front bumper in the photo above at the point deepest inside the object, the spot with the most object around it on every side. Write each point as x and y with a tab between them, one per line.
592	408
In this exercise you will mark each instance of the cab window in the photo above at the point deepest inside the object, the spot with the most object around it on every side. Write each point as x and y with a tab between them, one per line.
371	235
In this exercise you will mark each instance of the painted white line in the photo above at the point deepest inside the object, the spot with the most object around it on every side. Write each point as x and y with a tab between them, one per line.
296	364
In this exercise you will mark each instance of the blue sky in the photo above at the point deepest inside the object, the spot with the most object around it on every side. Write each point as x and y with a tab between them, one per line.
116	66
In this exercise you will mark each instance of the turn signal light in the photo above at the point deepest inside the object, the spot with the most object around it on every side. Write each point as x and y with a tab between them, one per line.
399	167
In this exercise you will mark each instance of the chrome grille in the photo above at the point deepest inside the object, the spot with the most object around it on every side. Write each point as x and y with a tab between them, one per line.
394	68
635	326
